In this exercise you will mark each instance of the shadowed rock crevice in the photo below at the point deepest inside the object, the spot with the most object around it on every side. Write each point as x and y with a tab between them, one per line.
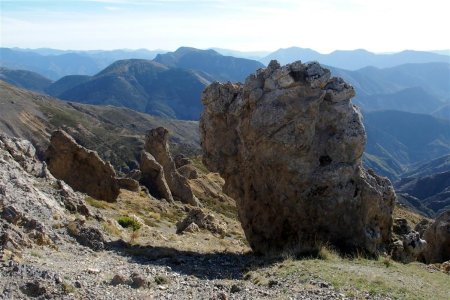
289	143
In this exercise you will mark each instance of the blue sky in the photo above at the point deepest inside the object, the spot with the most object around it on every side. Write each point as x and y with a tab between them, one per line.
323	25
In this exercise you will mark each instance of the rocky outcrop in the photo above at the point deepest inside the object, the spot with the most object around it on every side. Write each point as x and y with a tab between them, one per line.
188	171
409	248
198	219
437	236
408	245
128	184
81	168
156	143
152	177
32	201
289	143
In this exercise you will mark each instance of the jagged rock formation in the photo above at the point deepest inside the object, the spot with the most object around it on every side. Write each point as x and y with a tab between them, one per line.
31	199
198	219
156	143
152	177
437	236
81	168
289	143
128	184
409	248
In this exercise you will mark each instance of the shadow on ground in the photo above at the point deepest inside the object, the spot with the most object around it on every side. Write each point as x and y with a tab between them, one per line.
218	265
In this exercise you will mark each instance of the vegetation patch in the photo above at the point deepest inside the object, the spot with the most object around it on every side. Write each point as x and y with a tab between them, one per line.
198	164
97	203
129	222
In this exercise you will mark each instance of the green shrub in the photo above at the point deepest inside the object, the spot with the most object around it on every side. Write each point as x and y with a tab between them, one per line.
126	222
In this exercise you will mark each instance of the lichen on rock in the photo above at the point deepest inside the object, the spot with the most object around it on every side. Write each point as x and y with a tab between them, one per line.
288	143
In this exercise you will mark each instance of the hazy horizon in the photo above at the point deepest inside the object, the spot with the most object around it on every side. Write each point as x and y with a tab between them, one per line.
219	48
267	25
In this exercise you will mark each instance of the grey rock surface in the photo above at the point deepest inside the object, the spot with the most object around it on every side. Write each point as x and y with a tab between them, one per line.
32	201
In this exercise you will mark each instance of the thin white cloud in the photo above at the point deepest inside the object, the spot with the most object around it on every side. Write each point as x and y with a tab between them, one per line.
325	25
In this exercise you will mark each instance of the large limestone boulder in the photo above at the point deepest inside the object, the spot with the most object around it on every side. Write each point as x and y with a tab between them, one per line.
289	143
437	236
156	143
81	168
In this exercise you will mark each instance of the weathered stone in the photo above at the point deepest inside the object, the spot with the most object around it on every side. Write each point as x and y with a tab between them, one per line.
32	201
203	220
128	184
191	228
135	174
118	279
81	168
87	236
138	280
156	143
409	248
422	226
152	177
401	226
188	171
72	201
437	236
181	160
445	267
291	158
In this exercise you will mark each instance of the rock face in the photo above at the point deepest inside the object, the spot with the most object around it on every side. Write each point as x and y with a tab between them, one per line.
197	219
32	201
289	143
81	168
437	236
152	177
156	143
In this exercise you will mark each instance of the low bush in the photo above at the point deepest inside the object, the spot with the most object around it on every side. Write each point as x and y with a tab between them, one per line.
127	222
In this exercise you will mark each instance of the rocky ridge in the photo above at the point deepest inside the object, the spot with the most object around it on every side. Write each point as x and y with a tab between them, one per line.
289	143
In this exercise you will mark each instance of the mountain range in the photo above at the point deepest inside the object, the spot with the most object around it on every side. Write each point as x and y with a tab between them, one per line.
117	134
406	107
398	140
142	85
354	59
55	64
210	63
